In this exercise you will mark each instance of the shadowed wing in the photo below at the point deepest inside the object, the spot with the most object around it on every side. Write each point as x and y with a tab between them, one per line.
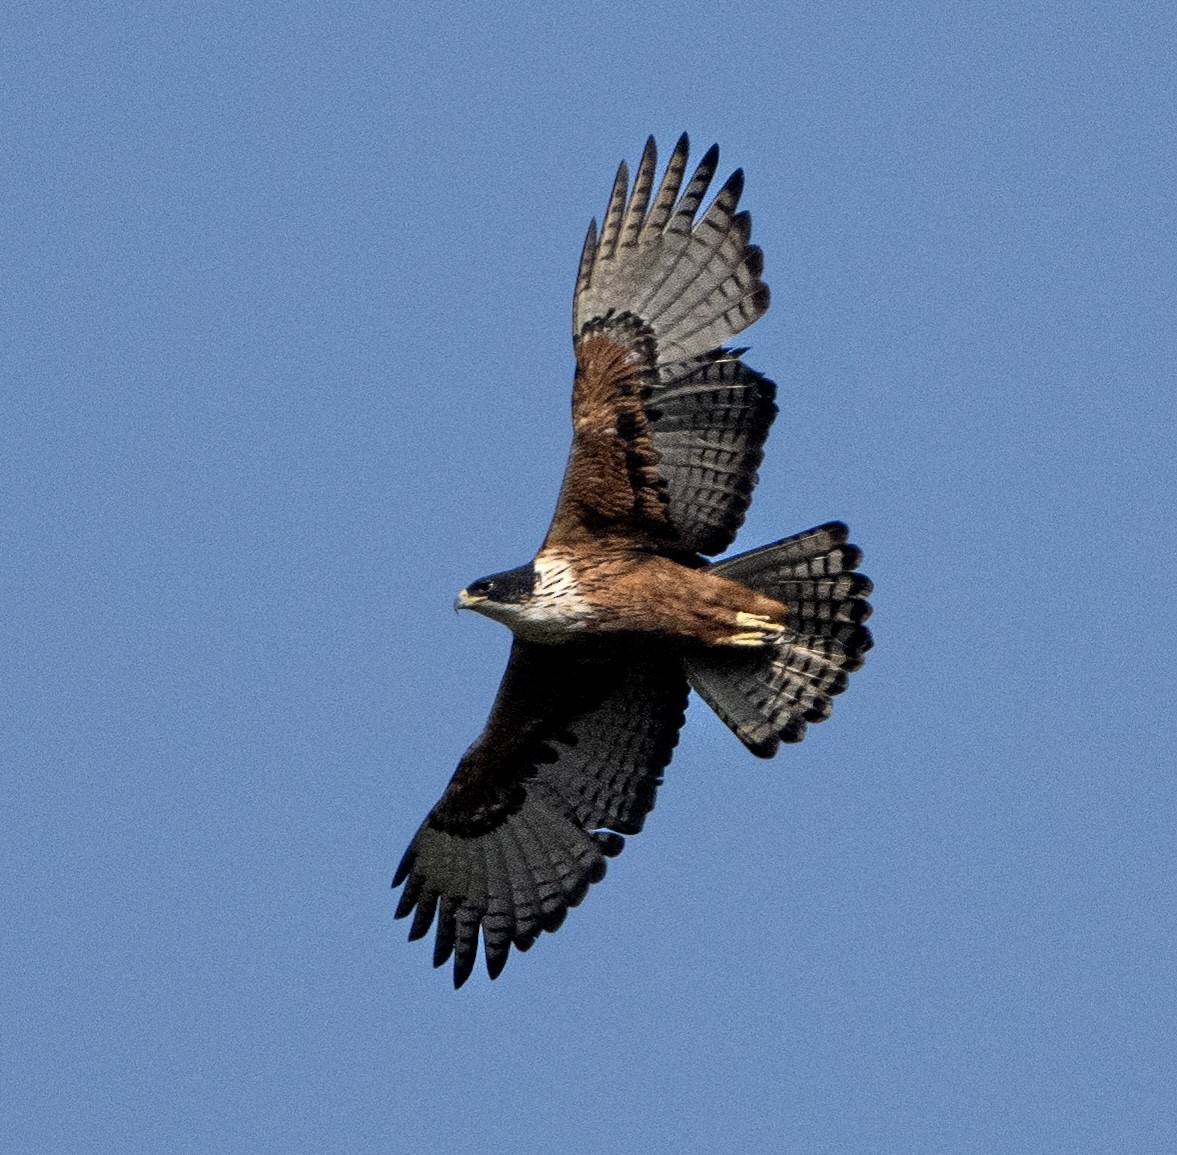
569	761
668	426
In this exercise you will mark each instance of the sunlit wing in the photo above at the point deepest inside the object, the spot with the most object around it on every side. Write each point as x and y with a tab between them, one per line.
569	761
668	426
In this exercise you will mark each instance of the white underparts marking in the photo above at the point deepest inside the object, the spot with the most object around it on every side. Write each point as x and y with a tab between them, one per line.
555	582
556	605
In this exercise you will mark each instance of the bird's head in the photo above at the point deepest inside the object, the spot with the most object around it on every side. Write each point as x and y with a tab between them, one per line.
501	596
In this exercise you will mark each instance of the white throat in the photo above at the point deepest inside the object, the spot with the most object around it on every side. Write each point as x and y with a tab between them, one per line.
557	607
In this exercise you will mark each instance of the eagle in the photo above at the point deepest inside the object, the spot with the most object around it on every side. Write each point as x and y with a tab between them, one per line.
619	615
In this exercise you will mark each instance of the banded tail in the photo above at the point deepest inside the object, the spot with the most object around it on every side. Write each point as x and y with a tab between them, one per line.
766	695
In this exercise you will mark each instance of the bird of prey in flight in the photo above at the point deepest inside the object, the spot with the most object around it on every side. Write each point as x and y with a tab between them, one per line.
619	615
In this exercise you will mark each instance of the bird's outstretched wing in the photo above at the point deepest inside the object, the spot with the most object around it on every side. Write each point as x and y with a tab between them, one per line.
569	761
668	425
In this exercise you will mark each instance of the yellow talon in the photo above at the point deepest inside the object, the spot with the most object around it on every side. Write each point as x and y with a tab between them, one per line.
758	631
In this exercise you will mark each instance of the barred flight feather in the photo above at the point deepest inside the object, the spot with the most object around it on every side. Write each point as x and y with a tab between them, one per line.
696	283
586	781
709	418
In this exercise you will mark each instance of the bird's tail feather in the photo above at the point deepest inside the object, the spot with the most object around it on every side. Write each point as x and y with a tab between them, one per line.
766	696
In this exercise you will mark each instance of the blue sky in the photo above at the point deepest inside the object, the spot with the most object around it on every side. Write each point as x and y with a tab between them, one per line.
285	362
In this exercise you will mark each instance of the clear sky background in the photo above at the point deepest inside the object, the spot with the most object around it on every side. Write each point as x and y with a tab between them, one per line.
285	362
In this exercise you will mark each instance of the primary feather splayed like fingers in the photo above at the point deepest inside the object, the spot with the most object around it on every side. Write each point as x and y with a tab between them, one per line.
619	615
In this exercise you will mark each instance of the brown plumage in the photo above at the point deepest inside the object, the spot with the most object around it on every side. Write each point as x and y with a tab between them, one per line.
619	613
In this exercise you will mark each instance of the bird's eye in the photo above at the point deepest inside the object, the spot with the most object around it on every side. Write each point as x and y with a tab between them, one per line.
483	587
